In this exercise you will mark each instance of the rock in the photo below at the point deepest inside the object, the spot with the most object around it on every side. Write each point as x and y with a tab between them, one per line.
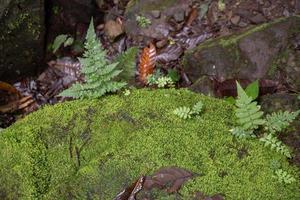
158	12
254	54
235	19
113	29
258	19
92	149
21	38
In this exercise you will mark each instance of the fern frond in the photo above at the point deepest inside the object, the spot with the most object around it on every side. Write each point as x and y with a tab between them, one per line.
127	63
248	112
275	144
276	122
241	133
98	72
284	177
183	112
197	108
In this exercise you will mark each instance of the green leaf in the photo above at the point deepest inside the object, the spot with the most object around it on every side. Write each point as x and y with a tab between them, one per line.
59	40
127	63
69	41
252	90
173	74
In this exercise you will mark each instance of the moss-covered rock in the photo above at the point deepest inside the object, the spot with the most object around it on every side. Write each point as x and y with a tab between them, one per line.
22	26
266	51
92	149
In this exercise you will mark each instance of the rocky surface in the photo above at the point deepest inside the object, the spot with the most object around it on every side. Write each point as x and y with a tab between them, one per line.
22	31
266	51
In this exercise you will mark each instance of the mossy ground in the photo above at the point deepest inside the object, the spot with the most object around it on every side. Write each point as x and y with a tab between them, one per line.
93	149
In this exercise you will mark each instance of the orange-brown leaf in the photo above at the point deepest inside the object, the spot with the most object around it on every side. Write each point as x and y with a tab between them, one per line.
9	88
192	16
147	63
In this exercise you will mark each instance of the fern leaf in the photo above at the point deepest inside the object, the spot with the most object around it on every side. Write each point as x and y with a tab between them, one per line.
274	143
197	108
241	133
97	71
127	64
147	63
183	112
248	112
279	121
284	177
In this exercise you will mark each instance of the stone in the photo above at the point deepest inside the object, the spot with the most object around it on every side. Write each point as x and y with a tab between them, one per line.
113	29
235	19
158	12
22	30
253	54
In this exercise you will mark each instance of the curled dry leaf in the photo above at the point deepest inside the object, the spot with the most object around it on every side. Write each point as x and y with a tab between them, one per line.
170	53
147	63
130	192
170	178
190	42
9	88
192	16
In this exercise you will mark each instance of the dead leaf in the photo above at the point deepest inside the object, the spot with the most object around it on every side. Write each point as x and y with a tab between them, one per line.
170	53
147	63
170	178
192	16
9	88
130	192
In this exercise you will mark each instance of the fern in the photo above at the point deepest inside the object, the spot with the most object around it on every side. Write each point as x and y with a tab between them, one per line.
284	177
248	112
183	112
277	122
274	143
127	64
98	73
187	113
240	133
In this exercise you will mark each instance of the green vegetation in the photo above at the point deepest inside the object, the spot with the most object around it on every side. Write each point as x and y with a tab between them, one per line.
92	149
142	21
249	116
66	40
187	113
284	177
99	74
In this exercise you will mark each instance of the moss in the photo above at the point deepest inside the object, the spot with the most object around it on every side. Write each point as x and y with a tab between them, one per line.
92	149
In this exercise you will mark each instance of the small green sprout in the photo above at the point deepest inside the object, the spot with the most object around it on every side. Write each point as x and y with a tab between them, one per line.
143	21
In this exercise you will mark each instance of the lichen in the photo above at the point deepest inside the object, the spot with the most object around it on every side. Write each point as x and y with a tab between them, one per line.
92	149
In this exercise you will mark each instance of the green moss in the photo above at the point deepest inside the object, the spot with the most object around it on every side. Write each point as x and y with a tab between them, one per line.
92	149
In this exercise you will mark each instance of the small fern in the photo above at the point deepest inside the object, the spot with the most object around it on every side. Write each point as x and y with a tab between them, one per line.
98	73
240	133
284	177
274	143
183	112
248	112
187	113
127	63
276	122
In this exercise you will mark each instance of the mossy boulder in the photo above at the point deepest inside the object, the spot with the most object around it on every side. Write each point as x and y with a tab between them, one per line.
22	27
93	149
269	51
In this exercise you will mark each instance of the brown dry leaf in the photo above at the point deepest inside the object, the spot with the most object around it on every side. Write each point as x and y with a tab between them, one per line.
192	16
16	105
9	88
170	178
130	192
170	53
147	63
